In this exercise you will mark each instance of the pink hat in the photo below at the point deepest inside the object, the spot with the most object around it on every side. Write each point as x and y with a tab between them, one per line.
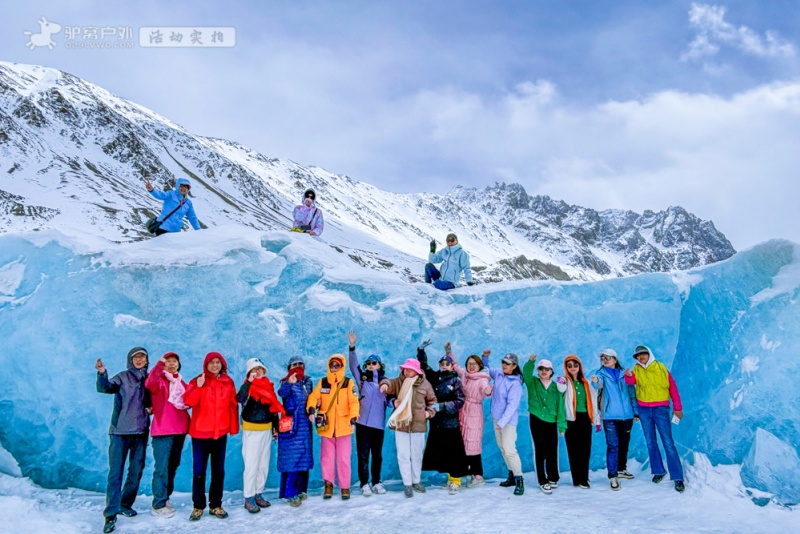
544	363
412	364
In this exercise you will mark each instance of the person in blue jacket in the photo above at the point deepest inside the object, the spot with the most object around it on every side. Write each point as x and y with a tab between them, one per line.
130	426
453	260
176	200
295	449
618	407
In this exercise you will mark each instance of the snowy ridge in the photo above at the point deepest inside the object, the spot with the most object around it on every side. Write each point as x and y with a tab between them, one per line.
77	156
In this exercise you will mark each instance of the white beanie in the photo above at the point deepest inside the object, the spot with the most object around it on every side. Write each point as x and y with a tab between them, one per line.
251	364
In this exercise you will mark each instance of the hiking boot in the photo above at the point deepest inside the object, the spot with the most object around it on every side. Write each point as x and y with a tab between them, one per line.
553	485
509	482
196	514
614	481
251	506
475	482
419	488
345	493
379	489
455	488
295	501
625	474
519	488
127	512
366	491
109	525
163	512
220	512
679	487
658	478
328	493
303	496
408	491
261	501
546	488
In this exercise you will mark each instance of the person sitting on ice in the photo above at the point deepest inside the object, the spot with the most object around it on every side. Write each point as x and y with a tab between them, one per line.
177	205
307	216
453	260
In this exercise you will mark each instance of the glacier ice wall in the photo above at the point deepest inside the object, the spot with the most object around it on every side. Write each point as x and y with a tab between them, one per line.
729	331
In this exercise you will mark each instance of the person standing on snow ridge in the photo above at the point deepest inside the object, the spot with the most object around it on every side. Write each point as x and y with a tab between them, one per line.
307	216
453	260
580	405
617	406
176	201
654	389
372	416
130	423
170	426
215	414
260	412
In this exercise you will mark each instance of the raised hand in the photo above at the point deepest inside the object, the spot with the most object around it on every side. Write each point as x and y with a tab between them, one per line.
251	376
447	347
292	379
595	379
148	185
532	357
351	338
201	380
486	353
99	366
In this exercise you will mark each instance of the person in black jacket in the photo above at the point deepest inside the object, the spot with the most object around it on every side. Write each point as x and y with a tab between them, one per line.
130	425
444	451
260	412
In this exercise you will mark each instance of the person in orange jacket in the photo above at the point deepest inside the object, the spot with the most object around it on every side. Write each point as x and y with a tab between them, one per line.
335	399
215	414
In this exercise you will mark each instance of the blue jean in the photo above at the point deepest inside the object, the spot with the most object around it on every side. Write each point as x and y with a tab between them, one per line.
657	418
618	436
202	450
121	447
432	274
167	456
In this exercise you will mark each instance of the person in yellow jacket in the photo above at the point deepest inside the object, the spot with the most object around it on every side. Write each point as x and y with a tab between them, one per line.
333	407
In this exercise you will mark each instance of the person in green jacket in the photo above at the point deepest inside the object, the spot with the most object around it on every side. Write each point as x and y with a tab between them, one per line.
548	418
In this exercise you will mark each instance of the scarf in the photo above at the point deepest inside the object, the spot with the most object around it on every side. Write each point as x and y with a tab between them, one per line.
263	391
176	390
402	416
299	372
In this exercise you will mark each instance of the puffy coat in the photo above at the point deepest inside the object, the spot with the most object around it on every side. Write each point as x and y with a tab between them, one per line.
373	402
131	398
506	395
654	384
167	419
172	199
470	418
422	400
305	215
616	399
343	410
546	403
454	261
215	411
295	448
448	390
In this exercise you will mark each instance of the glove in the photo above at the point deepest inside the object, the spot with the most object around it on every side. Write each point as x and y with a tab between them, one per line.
353	421
470	283
561	380
433	247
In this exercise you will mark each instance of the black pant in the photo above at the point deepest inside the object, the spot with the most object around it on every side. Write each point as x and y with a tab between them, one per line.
133	448
202	449
474	465
369	440
579	447
161	232
545	443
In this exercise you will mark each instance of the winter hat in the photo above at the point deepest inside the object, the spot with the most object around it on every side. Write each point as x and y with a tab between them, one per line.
296	359
373	358
447	358
544	363
173	355
452	236
412	364
609	352
136	350
252	363
640	349
511	358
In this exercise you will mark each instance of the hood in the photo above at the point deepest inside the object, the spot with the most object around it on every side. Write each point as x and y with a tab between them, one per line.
313	200
453	249
133	351
573	358
183	181
210	356
338	376
650	352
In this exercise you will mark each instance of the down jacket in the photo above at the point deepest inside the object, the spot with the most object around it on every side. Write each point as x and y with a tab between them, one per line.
346	406
448	390
131	398
295	449
470	418
172	199
167	419
422	400
454	261
215	411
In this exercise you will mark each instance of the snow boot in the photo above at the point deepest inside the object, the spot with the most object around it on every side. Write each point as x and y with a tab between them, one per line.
127	512
109	525
328	493
261	501
519	488
509	482
408	491
658	478
679	487
251	506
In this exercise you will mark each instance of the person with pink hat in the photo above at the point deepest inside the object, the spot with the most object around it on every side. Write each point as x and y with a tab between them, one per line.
414	405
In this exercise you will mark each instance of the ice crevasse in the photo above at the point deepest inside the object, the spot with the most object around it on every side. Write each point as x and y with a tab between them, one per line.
730	333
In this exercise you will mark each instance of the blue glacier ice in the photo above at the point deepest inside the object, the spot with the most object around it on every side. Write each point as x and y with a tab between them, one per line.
730	332
772	465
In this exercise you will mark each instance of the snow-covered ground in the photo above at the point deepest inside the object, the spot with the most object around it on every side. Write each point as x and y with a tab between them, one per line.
714	501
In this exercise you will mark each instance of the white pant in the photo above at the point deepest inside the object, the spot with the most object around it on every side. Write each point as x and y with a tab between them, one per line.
256	446
506	438
409	455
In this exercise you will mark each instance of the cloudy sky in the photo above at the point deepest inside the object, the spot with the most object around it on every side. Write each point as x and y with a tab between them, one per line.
601	103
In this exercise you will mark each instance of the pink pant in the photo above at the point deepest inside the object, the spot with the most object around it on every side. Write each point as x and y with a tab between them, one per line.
336	450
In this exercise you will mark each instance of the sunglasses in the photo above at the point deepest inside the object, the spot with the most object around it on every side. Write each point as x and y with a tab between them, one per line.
334	365
372	362
605	358
573	364
544	369
312	197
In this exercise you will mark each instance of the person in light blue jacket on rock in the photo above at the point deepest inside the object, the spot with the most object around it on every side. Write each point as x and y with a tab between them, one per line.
618	407
176	200
454	261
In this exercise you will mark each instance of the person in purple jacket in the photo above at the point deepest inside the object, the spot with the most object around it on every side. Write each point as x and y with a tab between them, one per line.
307	217
372	418
506	395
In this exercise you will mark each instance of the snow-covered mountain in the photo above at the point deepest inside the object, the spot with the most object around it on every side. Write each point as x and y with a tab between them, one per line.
75	157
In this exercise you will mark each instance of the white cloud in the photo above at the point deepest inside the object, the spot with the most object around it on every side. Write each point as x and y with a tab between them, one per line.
713	30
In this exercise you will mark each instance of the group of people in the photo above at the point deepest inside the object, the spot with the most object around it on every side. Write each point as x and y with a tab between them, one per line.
450	397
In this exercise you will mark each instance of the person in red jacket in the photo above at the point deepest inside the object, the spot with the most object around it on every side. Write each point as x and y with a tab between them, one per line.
215	414
169	428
